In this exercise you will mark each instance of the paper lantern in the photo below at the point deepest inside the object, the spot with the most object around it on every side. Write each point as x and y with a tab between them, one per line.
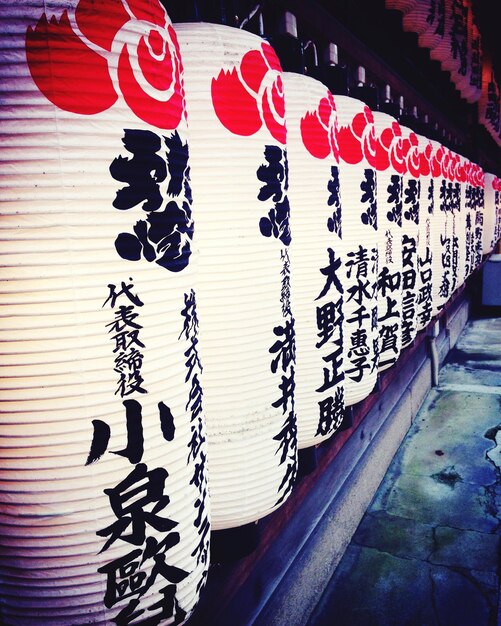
488	237
357	180
470	219
389	202
478	191
424	276
104	511
417	18
440	232
240	183
401	5
411	200
489	104
316	256
459	217
497	199
432	16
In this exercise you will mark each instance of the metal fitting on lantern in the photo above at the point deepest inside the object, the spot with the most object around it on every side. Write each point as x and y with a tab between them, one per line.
362	91
288	47
331	72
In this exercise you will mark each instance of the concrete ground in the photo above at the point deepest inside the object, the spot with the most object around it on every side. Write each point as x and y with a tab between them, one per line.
427	550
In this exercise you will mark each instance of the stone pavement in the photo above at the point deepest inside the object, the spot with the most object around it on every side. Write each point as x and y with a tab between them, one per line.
427	550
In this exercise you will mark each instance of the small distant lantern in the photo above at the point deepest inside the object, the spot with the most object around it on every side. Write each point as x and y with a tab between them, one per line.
316	255
103	443
239	172
389	200
357	179
459	258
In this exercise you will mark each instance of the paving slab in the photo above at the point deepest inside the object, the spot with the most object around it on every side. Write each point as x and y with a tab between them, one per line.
427	551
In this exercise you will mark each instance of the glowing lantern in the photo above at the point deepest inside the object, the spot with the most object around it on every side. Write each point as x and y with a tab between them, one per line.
239	171
389	201
444	246
411	199
401	5
101	404
478	192
424	277
357	178
488	241
459	216
316	257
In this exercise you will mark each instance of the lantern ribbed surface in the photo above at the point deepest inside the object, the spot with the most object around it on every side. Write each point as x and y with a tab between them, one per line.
240	182
105	508
357	179
389	201
316	256
424	277
411	206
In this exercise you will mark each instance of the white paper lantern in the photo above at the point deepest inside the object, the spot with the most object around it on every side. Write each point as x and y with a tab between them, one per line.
488	238
424	278
497	199
389	202
105	508
440	232
460	175
401	5
431	15
470	219
316	256
478	191
411	200
357	177
240	182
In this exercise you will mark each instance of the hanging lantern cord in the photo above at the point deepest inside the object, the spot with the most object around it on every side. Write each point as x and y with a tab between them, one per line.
313	45
246	20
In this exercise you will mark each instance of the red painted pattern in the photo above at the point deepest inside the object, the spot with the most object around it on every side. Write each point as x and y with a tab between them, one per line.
251	95
83	61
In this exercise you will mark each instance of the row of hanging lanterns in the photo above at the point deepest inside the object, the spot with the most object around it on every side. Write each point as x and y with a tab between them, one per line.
449	30
205	261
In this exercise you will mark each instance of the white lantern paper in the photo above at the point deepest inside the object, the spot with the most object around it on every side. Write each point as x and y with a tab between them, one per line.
104	512
357	178
240	181
454	199
424	278
389	202
316	257
410	230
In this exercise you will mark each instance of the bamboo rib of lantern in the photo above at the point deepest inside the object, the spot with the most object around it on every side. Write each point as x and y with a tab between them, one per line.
316	251
98	276
239	174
